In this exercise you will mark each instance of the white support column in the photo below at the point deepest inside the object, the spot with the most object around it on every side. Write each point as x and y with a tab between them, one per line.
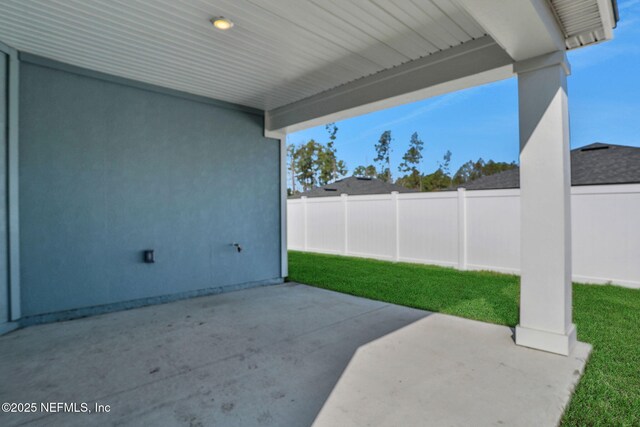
545	186
284	257
462	229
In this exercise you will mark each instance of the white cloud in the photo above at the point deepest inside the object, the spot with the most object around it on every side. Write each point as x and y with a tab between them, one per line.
437	103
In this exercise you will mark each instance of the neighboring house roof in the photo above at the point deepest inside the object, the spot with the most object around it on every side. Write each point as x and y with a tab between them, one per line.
354	186
593	164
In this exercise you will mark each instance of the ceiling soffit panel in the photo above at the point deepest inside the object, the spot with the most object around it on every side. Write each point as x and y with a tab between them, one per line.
278	52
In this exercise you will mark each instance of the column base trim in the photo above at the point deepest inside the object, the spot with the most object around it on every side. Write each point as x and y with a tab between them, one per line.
547	341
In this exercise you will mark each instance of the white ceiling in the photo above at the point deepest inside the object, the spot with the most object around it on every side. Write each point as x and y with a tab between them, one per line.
279	51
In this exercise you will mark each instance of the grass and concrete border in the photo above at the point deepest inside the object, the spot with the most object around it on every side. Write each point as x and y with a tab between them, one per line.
606	317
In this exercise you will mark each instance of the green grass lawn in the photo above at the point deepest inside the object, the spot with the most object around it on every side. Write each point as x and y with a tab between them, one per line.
608	317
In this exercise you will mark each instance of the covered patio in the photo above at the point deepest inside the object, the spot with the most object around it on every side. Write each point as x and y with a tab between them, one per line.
144	162
286	355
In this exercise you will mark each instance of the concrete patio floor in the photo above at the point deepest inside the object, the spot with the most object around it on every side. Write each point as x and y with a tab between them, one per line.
284	355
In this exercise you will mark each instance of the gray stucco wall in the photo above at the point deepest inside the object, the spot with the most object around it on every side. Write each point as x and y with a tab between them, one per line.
108	170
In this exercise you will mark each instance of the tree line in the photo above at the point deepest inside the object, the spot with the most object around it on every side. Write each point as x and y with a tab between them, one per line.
313	164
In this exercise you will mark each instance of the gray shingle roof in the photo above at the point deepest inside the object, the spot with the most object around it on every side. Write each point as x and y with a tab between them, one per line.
592	164
354	186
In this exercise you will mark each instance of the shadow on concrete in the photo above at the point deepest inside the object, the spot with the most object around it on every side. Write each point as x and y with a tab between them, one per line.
443	370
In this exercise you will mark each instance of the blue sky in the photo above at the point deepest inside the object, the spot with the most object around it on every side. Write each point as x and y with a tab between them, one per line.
604	103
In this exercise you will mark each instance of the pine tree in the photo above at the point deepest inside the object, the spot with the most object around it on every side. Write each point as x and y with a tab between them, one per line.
411	162
383	158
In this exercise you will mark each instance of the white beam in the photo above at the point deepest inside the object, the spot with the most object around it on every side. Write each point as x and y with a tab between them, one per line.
524	28
474	63
545	204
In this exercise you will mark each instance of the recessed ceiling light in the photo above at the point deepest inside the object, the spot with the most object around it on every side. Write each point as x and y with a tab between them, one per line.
221	23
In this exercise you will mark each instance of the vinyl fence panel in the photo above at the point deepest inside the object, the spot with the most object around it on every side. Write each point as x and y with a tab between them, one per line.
606	234
327	231
371	226
477	230
295	225
428	228
493	230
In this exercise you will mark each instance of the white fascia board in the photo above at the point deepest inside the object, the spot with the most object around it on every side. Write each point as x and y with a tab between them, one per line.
605	7
473	63
524	28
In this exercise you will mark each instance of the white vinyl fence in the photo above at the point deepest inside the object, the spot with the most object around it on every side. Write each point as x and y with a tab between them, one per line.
476	230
